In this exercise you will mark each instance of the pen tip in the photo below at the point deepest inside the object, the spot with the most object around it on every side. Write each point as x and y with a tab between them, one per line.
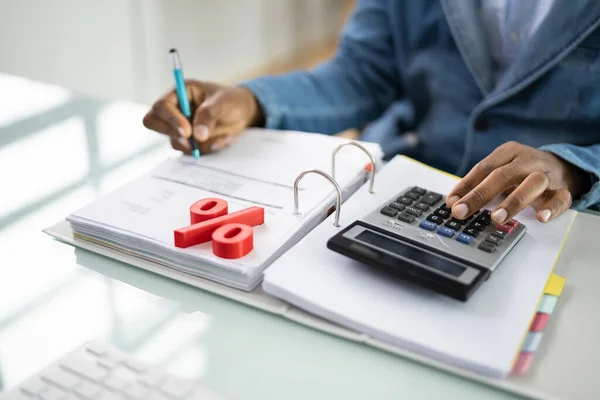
173	50
196	154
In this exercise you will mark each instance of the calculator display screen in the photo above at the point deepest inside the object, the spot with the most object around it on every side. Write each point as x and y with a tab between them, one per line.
411	253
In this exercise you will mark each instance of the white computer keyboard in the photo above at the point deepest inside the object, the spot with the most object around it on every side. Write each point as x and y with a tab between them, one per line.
100	372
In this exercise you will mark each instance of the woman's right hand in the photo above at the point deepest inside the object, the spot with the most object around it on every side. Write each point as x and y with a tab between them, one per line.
219	113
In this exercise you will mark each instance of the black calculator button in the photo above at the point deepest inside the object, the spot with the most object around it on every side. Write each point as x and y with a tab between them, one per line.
498	233
406	217
421	206
472	232
412	196
435	218
445	207
404	200
486	212
431	198
484	219
487	246
476	225
493	240
418	190
453	225
389	211
414	211
459	221
397	206
442	213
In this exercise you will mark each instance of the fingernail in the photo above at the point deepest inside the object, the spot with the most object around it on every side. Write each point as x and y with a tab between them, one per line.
181	131
201	132
452	200
500	215
460	211
216	146
227	140
545	215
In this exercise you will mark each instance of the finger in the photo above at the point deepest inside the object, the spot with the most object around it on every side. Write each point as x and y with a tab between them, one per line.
499	157
205	120
494	184
168	110
213	144
530	189
560	201
181	144
156	124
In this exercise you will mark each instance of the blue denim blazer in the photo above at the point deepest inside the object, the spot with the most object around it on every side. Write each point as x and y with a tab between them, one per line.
424	66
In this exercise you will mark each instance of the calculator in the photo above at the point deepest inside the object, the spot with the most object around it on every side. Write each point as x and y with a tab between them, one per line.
415	237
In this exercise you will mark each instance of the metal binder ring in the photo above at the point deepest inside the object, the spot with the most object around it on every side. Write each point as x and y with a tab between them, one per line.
363	148
338	202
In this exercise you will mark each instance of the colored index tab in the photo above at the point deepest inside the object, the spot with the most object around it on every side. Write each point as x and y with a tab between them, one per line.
539	322
555	285
532	342
523	363
547	304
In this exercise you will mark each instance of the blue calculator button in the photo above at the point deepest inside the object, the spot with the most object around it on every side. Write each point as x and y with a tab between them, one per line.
430	226
445	231
464	238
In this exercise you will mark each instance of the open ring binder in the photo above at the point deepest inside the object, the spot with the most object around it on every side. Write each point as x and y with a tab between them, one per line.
338	203
367	152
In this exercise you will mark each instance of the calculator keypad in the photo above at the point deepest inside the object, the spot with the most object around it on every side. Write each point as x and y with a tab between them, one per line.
418	202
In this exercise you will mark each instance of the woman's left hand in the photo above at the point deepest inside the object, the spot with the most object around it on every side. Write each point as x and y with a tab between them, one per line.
529	176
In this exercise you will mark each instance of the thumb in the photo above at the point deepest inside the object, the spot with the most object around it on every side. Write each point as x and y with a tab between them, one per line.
205	120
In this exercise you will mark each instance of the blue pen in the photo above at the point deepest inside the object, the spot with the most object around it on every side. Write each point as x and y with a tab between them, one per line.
184	102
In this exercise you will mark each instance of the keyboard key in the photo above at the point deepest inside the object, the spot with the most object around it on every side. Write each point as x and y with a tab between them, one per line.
500	234
404	200
476	225
135	366
136	391
85	369
464	238
107	363
115	383
453	225
459	221
484	219
513	223
397	206
88	390
472	232
442	213
153	378
414	211
389	211
495	240
97	349
61	378
428	225
421	206
412	196
176	387
487	246
34	386
406	217
508	228
486	212
435	218
431	198
444	231
116	357
53	394
445	207
418	190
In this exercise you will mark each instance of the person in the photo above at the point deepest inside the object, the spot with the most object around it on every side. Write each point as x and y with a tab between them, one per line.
504	91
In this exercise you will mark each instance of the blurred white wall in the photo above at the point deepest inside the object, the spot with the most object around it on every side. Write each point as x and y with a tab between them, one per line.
118	48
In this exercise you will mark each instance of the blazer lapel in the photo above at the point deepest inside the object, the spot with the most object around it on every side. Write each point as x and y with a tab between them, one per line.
566	25
464	19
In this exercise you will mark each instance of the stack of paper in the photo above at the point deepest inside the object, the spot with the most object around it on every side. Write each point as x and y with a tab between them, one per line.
259	169
483	334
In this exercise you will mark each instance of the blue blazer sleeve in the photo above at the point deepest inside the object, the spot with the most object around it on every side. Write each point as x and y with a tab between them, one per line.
588	159
352	89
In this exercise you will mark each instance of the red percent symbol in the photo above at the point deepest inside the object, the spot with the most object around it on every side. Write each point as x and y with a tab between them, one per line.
231	234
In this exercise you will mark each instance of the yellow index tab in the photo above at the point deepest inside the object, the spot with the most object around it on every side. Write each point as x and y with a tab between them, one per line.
555	285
